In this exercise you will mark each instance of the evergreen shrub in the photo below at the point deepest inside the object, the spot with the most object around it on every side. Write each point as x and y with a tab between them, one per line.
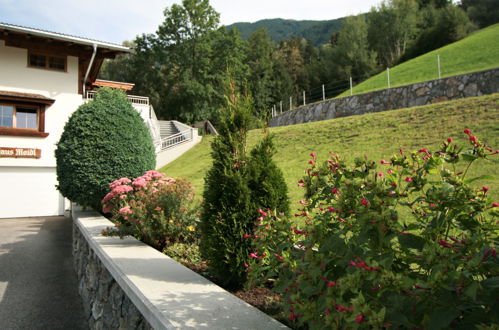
232	196
104	140
265	179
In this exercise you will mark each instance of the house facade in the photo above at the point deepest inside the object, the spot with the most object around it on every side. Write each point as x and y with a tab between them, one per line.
44	77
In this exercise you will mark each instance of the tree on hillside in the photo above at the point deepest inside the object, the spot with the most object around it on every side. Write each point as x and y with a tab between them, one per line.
294	54
439	27
392	27
482	12
353	57
260	53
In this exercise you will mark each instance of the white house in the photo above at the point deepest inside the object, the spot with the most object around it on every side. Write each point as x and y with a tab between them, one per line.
43	77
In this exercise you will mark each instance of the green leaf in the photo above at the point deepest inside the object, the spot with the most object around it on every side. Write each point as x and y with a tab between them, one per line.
471	290
491	283
469	155
441	318
411	241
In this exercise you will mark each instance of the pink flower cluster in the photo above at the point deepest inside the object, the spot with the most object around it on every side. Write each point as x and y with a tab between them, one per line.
120	188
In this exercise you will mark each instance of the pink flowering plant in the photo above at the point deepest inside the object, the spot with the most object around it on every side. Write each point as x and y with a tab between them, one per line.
404	243
153	208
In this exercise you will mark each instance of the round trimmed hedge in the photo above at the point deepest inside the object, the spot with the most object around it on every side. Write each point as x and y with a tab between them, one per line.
104	140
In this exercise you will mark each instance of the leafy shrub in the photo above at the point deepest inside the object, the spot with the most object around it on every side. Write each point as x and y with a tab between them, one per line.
232	195
412	245
152	208
105	139
183	252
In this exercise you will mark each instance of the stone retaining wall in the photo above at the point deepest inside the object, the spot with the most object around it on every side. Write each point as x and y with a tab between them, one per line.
125	284
466	85
105	304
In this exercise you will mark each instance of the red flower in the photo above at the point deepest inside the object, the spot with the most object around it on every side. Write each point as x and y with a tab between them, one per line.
495	204
473	138
485	188
293	316
408	179
312	155
299	232
330	284
341	308
384	162
253	255
359	318
467	131
246	236
334	190
445	244
364	202
449	140
262	212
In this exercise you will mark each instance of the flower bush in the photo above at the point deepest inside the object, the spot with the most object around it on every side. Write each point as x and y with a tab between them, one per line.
410	244
152	208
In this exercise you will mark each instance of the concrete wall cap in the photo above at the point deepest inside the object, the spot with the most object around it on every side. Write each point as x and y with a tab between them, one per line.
168	295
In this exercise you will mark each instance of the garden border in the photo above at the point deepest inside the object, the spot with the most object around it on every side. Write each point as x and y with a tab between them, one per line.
165	294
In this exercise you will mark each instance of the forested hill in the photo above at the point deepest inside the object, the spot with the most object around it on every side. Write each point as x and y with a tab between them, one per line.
318	32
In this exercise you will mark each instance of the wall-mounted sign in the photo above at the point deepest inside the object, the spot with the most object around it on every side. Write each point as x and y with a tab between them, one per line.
20	153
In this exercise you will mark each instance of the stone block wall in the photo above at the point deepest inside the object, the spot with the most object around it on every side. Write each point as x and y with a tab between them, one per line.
105	304
428	92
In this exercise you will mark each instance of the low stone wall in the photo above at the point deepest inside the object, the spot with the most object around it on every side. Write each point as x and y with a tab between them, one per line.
466	85
105	304
125	284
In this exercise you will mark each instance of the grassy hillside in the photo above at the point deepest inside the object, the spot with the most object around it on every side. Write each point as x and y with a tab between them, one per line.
479	51
318	32
377	135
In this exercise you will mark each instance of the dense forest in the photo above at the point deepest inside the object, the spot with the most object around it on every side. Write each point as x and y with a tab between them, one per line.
186	65
318	32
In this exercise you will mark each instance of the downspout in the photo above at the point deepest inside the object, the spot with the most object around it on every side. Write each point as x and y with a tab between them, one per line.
89	67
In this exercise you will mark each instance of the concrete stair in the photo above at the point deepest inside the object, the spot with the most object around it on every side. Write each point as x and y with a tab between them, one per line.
167	128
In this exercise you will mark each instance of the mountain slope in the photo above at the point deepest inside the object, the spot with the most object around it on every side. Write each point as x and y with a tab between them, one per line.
318	32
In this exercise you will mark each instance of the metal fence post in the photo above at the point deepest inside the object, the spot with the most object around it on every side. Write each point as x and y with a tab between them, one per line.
323	93
290	102
351	87
280	106
388	76
438	65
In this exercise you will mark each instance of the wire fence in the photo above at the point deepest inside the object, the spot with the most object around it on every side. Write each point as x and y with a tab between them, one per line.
423	69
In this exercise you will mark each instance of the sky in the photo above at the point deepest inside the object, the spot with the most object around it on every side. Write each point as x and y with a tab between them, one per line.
120	20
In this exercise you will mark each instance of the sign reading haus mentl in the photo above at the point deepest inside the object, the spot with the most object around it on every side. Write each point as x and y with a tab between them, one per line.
20	152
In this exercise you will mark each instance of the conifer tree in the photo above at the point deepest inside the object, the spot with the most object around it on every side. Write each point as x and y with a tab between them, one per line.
227	213
235	188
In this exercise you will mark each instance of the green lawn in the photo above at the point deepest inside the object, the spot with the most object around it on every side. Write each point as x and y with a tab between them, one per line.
479	51
377	135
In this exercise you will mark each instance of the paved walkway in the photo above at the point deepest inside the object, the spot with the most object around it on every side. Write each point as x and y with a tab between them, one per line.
38	287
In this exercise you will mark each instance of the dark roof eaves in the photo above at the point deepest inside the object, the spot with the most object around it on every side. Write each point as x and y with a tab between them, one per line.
64	37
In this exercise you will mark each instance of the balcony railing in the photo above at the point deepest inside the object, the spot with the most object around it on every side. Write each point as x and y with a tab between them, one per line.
134	99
